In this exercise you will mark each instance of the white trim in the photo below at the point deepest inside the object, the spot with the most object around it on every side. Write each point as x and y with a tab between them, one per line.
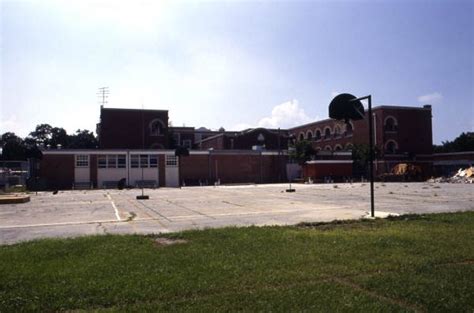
453	153
82	166
271	153
197	152
329	161
453	162
392	117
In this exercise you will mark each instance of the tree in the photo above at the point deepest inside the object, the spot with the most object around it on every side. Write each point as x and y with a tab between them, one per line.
59	137
83	139
361	157
301	151
8	136
13	147
42	134
464	142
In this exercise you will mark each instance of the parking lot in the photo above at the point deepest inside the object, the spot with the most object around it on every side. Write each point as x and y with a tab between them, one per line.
73	213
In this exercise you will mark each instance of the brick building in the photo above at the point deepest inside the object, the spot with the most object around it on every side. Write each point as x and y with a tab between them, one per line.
138	146
254	138
401	134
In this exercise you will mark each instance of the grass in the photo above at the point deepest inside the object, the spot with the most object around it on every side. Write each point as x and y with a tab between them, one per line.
407	263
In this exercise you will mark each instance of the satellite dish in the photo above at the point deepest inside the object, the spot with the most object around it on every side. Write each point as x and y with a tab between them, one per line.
346	107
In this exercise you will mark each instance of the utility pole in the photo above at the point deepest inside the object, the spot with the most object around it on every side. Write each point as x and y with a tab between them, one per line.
103	94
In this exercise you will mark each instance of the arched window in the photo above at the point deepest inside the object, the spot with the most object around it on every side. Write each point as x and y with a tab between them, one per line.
301	137
337	131
338	148
349	129
318	149
317	134
328	148
309	135
327	133
390	124
156	127
391	147
349	147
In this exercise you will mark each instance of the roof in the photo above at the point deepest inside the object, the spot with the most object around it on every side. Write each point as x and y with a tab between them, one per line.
134	110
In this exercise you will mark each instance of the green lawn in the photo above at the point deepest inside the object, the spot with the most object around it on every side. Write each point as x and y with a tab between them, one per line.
413	263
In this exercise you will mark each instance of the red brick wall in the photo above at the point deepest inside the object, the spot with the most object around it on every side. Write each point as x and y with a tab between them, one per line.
125	128
216	143
57	170
414	133
161	170
93	169
321	170
194	168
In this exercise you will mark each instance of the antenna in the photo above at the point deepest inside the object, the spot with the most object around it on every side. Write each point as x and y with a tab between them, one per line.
103	94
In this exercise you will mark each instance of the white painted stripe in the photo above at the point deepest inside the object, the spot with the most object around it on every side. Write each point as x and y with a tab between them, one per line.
57	224
328	161
115	208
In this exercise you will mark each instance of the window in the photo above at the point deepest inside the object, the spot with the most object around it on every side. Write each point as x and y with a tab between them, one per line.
309	135
390	124
391	147
349	129
102	161
187	143
171	160
337	131
349	147
177	138
111	161
153	160
301	137
134	161
143	160
82	160
317	134
121	161
327	133
156	127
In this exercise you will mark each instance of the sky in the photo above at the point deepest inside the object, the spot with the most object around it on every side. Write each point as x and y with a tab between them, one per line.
235	64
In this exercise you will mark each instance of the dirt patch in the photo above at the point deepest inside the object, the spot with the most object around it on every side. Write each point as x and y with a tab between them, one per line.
163	242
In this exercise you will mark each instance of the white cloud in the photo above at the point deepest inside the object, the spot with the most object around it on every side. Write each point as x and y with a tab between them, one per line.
284	115
334	94
11	124
430	98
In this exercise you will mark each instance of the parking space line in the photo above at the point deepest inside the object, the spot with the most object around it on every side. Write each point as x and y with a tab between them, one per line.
115	208
57	224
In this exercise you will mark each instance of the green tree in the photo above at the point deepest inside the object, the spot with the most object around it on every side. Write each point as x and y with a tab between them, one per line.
301	151
464	142
83	139
42	134
360	156
13	147
59	137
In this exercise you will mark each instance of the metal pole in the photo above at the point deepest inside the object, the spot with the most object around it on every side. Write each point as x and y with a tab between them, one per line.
371	157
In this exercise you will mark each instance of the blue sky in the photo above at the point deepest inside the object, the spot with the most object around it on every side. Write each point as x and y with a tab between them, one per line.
233	63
